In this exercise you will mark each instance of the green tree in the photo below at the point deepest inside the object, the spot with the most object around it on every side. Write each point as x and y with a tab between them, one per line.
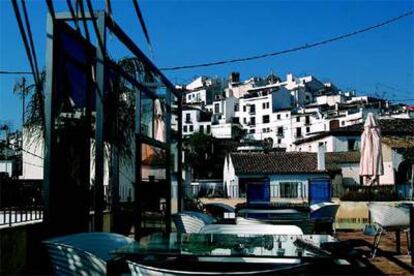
198	152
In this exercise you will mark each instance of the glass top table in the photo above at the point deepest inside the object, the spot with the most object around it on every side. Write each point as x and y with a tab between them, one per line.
229	245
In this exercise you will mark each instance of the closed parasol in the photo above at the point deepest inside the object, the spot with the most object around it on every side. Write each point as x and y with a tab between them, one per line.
371	165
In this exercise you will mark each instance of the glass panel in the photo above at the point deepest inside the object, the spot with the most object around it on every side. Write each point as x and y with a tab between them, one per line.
147	115
153	187
160	130
153	163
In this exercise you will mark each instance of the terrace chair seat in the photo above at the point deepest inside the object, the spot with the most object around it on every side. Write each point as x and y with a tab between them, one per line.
388	218
84	253
241	221
137	269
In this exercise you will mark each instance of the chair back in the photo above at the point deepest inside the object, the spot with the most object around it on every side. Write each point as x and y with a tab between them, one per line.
191	222
99	244
389	216
67	260
326	211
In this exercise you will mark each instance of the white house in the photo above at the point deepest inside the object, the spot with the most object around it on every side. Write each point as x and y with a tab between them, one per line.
287	172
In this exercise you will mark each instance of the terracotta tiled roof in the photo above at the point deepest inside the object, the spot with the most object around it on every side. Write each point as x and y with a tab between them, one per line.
398	142
343	157
277	163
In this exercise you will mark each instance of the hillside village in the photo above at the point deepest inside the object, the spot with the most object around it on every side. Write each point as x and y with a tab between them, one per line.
257	115
298	115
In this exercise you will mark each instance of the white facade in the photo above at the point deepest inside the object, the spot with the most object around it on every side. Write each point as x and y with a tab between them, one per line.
332	144
32	156
7	166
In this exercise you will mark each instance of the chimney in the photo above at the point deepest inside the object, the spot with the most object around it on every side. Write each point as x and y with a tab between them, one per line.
321	157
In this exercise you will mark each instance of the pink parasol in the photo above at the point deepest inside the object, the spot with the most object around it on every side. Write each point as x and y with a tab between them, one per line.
371	166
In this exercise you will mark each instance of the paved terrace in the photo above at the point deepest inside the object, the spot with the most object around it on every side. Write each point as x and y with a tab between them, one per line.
387	260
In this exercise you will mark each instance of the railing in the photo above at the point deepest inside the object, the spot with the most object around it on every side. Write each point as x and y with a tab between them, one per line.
14	215
20	201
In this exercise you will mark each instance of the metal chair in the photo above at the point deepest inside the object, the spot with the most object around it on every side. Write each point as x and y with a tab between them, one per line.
241	221
137	269
191	222
83	254
324	214
388	218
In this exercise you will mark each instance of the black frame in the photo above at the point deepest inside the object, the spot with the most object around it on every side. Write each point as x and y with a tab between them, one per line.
102	23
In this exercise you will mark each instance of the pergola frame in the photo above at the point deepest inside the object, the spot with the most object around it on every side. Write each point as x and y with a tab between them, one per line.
102	23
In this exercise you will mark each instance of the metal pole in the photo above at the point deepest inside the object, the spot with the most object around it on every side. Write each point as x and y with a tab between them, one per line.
49	124
168	162
138	162
180	188
412	233
99	135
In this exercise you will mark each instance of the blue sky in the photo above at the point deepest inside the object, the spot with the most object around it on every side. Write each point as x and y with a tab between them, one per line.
187	32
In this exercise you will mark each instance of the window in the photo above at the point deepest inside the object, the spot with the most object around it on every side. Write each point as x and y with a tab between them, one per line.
307	119
208	129
245	120
265	105
278	116
201	129
252	108
298	132
297	119
187	117
343	123
289	189
188	97
280	131
184	128
244	108
266	119
252	130
252	121
287	115
265	130
307	129
217	108
236	120
279	141
236	107
191	128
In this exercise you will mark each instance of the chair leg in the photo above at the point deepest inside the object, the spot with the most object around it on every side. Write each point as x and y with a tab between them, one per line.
377	241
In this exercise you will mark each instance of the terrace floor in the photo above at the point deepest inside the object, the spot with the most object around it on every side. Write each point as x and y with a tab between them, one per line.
387	260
